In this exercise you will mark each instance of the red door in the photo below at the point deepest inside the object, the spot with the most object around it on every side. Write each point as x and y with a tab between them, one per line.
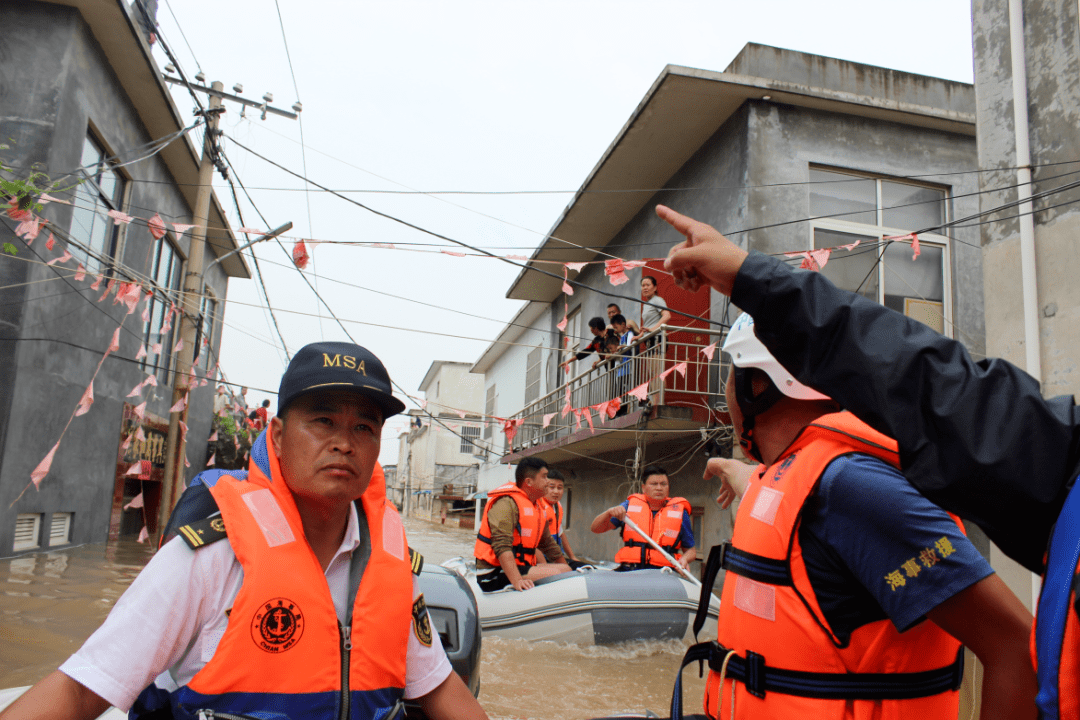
684	345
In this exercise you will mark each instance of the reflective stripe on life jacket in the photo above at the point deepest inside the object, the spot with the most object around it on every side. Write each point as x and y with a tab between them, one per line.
284	653
664	526
1056	632
527	530
786	660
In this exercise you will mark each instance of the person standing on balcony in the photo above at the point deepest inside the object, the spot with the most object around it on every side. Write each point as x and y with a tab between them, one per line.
513	530
612	311
666	519
655	313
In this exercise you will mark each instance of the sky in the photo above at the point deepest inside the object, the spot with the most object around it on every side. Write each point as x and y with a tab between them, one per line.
408	100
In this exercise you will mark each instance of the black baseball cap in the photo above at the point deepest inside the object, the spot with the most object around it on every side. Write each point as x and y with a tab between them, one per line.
338	366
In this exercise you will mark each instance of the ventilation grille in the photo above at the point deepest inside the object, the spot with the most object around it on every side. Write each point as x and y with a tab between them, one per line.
27	531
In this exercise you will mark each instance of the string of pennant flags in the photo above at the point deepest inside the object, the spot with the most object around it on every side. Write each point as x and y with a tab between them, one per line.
131	294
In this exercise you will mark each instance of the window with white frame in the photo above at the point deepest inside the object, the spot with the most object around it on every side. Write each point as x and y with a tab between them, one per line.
532	375
469	435
571	341
489	411
159	330
850	208
101	189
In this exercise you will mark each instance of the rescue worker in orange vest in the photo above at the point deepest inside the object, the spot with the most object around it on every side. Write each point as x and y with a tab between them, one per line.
552	506
310	610
977	438
666	519
513	530
848	594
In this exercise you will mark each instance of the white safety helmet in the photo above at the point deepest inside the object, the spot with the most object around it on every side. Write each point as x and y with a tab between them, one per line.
747	351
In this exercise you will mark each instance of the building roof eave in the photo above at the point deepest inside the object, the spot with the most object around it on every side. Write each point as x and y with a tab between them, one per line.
680	112
129	55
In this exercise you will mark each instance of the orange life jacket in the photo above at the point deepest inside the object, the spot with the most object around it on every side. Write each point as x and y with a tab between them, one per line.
527	530
1055	635
552	518
786	661
664	526
284	650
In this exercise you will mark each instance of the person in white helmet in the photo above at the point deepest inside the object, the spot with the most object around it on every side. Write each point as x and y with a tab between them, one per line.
848	594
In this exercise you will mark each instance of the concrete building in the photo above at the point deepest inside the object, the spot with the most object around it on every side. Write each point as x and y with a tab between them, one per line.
82	97
756	150
437	458
1029	121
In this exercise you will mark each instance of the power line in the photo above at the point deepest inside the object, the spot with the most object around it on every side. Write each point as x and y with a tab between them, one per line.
466	245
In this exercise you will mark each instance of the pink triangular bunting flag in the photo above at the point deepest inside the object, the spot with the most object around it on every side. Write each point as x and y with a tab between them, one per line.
156	226
640	392
43	467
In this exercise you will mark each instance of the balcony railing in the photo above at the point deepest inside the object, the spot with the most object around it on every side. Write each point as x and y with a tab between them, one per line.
700	388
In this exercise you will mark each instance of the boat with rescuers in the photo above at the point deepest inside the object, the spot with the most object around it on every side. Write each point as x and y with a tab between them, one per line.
592	606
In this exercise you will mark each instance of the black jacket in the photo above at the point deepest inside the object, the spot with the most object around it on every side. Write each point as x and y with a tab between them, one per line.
976	438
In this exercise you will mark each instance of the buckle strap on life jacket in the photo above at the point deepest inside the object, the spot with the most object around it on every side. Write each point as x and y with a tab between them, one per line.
760	679
726	556
518	549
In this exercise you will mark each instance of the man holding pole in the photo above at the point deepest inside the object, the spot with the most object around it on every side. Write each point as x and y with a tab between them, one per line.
653	515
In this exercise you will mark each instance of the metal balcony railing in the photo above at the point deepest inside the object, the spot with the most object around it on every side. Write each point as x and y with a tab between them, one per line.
644	361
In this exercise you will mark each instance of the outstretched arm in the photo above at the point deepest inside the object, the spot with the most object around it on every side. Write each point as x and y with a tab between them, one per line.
975	437
734	476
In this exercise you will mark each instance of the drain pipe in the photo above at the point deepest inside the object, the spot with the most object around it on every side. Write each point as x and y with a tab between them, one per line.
1032	350
1033	354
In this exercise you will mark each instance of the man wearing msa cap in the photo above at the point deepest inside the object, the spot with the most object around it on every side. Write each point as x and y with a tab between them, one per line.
310	610
848	593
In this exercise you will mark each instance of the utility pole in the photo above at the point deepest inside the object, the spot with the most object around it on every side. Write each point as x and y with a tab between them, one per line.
194	279
190	310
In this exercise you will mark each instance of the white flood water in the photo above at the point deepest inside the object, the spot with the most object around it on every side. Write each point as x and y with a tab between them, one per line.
50	603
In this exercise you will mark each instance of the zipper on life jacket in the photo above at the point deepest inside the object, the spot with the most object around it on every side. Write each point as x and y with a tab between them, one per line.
346	652
215	714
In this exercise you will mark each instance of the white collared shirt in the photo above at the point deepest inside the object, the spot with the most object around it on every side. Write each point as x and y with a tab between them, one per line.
169	622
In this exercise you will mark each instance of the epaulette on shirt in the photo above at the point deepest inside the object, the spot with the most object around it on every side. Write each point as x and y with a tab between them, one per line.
202	532
417	561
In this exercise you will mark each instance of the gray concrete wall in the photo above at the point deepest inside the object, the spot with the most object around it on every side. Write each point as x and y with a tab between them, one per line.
709	187
784	141
56	84
1052	38
816	71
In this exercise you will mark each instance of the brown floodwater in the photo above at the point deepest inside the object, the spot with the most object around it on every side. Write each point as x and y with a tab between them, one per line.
51	602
